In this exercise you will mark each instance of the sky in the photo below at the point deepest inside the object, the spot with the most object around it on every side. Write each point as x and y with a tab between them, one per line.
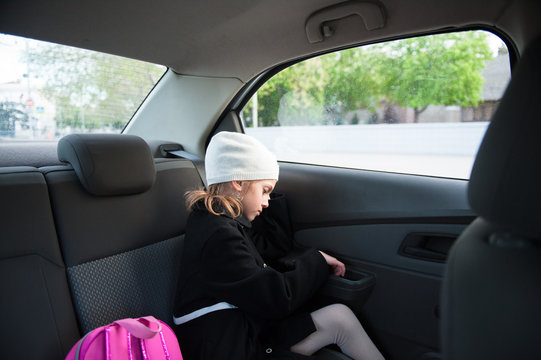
11	69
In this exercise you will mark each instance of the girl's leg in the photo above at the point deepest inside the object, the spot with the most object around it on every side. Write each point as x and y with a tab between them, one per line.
336	324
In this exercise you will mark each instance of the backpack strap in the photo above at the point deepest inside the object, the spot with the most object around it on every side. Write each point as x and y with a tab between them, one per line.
79	345
143	328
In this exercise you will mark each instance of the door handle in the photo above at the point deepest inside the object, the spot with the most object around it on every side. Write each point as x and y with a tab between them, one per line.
427	246
424	254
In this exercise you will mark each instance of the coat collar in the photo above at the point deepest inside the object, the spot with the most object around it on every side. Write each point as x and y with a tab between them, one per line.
240	220
243	221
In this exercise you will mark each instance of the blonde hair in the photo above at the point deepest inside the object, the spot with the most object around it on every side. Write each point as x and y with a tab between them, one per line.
216	199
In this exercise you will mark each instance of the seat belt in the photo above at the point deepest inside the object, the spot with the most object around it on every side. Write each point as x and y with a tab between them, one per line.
178	151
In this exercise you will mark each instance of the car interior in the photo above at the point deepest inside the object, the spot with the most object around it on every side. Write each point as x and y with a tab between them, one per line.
438	267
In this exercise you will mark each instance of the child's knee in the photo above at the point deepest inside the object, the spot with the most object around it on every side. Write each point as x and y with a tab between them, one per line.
342	312
339	317
343	309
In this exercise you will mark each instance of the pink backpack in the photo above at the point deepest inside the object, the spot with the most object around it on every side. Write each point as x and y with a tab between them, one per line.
128	339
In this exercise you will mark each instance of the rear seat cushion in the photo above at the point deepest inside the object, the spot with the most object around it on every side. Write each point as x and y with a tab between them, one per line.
35	305
134	283
109	164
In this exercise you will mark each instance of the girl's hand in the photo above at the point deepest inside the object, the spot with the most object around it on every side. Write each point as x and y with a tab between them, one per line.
337	267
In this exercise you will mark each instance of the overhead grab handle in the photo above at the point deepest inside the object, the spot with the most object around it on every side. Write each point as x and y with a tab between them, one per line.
371	13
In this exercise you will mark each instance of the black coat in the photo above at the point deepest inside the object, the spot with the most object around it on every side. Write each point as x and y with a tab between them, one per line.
221	262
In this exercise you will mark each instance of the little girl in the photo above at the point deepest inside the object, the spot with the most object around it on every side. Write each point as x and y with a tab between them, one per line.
230	304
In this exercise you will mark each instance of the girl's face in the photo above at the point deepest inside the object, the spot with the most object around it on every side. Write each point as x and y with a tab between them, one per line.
256	195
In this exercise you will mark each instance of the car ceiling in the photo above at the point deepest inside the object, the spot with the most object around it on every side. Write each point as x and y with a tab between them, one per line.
238	38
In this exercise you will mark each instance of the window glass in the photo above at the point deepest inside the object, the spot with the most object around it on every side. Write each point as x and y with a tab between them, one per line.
49	90
417	106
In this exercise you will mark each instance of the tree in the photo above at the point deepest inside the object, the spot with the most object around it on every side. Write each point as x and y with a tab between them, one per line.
283	98
10	113
435	70
320	90
91	90
353	78
413	73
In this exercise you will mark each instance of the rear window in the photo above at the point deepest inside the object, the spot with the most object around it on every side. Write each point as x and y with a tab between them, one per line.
416	106
49	90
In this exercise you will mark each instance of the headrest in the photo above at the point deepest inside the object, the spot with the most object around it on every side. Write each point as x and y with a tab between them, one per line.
109	164
505	184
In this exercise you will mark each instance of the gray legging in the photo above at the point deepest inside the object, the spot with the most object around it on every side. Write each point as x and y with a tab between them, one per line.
336	324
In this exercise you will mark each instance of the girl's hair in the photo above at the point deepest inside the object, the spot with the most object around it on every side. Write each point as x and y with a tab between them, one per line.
215	200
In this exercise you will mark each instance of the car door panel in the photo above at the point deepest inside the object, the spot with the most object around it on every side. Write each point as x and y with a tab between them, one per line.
396	227
376	244
328	195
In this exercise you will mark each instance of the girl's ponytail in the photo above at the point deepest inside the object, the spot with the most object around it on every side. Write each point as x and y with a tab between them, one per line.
215	200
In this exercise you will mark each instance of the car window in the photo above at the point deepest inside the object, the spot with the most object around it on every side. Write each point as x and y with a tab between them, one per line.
418	106
49	90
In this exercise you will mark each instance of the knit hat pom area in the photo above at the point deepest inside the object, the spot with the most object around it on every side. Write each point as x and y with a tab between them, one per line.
235	156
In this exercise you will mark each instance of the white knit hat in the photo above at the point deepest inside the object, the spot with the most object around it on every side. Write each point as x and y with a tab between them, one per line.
235	156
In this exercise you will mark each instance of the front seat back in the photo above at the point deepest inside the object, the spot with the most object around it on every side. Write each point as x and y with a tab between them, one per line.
491	298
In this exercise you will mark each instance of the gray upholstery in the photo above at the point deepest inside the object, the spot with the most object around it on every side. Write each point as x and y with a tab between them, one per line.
505	182
30	153
132	284
491	289
35	302
121	251
94	227
109	164
491	298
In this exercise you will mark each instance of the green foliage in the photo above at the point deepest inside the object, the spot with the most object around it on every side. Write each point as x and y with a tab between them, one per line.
436	70
10	113
431	70
91	90
317	91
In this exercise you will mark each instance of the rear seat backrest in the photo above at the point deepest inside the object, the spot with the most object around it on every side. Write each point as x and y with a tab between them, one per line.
120	220
38	320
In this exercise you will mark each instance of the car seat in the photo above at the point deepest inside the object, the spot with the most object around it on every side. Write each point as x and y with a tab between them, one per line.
491	298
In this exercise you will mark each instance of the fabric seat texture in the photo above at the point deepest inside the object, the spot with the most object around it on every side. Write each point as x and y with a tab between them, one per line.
120	219
491	290
38	320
